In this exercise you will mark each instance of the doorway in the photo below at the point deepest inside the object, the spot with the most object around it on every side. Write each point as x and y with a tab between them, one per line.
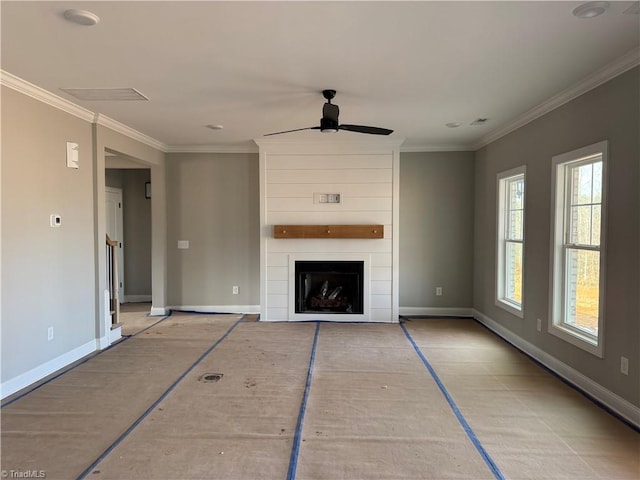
132	178
114	227
117	155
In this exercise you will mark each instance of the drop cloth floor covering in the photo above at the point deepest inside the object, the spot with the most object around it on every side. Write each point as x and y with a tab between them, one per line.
314	401
135	317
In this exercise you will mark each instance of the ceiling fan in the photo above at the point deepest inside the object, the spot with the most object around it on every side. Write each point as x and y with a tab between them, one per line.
329	121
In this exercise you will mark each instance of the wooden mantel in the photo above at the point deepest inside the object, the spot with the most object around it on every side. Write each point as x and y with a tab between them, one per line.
328	231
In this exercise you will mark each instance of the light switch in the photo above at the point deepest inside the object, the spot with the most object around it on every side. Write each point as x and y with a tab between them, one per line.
55	220
183	244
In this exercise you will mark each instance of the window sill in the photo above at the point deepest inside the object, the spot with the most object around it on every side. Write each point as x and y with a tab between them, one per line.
511	308
575	338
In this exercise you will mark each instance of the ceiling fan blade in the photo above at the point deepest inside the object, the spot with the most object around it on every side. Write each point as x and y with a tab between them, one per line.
365	129
294	130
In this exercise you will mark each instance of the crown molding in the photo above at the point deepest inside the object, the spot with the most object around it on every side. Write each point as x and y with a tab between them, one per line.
375	141
19	85
254	149
248	148
436	148
610	71
22	86
116	126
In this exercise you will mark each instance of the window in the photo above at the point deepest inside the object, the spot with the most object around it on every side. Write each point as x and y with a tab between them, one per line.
578	243
510	241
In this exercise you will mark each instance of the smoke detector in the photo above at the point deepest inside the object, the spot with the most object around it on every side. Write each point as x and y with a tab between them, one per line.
81	17
590	9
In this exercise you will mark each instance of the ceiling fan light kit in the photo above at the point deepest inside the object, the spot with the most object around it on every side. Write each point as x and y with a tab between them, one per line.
329	121
327	126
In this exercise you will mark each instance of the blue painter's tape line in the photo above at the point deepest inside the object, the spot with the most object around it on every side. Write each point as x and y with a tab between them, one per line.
155	404
297	438
150	326
465	425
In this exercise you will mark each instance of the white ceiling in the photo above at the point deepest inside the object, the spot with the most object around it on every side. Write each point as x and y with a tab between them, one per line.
259	67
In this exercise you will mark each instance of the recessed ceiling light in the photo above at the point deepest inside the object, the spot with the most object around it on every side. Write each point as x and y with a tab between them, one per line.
453	124
81	17
215	127
590	9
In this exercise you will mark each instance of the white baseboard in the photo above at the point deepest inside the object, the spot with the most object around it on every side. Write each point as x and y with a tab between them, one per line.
115	334
102	342
159	311
614	402
35	374
217	308
137	299
436	312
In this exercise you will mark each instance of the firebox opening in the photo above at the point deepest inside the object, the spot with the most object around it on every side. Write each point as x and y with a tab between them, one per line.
329	287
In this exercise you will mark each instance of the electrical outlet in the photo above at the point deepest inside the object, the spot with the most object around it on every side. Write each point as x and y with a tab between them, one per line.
236	290
439	291
624	365
539	325
55	220
50	334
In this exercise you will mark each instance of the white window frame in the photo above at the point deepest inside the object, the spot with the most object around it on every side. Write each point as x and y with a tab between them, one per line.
593	344
502	203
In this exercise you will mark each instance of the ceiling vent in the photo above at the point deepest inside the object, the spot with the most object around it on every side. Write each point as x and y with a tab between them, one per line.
105	94
479	121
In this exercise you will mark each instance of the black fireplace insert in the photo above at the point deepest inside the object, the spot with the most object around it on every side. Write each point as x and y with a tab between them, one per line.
329	287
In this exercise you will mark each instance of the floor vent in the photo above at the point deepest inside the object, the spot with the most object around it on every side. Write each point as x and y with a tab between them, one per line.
210	377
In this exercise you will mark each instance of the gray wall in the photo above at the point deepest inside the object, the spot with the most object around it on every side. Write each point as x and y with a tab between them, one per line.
114	177
609	112
436	229
212	201
137	232
47	273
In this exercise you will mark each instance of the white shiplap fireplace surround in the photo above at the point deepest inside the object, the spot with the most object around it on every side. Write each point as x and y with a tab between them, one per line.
365	172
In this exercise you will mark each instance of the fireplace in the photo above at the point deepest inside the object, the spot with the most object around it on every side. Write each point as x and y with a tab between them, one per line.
329	287
295	176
